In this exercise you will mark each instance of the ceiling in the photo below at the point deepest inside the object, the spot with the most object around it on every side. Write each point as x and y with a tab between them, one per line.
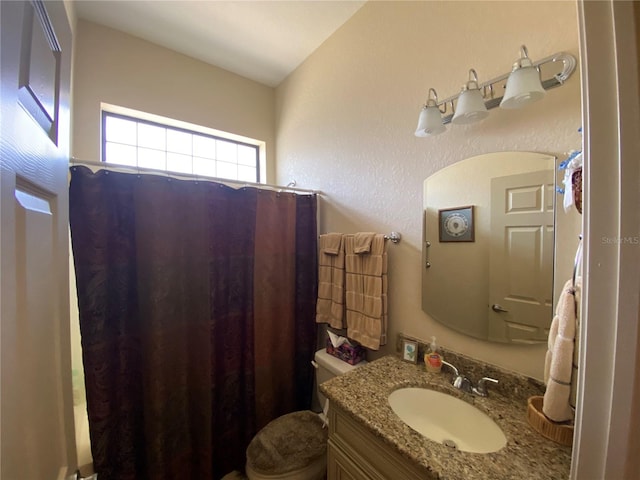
261	40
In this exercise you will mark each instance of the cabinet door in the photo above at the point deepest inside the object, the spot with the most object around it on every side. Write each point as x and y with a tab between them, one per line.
355	446
340	467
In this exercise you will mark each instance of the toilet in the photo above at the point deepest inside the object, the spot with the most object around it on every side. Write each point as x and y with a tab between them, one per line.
294	446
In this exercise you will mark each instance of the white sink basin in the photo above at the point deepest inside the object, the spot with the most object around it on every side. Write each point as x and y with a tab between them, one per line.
447	420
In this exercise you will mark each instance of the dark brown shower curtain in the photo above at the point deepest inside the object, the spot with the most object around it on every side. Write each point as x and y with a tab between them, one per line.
197	307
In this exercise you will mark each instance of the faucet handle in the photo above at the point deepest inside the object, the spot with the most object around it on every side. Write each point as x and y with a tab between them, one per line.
452	367
463	383
481	389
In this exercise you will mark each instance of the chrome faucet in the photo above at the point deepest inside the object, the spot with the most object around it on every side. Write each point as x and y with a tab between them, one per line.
455	370
461	382
481	389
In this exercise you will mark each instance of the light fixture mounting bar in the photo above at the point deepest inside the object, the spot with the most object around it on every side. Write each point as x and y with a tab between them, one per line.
498	84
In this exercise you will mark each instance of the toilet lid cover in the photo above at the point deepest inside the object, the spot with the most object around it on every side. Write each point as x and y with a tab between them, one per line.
290	442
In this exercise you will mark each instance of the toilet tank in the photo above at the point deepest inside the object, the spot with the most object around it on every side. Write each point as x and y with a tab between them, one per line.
328	367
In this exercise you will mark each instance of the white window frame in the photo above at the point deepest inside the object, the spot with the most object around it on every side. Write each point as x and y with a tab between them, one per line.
189	128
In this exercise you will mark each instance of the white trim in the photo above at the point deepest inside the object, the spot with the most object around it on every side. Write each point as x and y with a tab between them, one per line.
262	146
627	345
609	337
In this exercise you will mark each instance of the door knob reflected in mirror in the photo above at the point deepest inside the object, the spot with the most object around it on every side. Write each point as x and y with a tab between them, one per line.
497	308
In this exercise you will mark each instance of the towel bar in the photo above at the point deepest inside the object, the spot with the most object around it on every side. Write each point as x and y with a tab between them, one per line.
395	237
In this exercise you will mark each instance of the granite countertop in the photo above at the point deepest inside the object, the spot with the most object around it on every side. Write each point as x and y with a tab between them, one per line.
363	394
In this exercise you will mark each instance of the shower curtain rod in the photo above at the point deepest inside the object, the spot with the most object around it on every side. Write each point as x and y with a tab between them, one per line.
130	169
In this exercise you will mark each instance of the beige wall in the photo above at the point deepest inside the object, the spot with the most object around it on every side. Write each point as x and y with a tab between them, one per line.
366	134
343	121
346	116
116	68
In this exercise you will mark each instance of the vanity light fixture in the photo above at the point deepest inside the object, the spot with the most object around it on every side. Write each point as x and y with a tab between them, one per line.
470	107
523	85
430	120
526	83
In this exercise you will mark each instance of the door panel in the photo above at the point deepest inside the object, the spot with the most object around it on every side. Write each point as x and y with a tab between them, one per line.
37	434
39	68
521	257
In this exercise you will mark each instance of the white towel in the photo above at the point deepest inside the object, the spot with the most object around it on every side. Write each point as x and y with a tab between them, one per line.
577	287
559	358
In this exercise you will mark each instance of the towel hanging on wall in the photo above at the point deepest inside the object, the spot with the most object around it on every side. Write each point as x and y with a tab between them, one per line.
366	288
330	304
352	285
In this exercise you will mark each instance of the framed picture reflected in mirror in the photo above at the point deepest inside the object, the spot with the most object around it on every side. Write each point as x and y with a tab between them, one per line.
456	224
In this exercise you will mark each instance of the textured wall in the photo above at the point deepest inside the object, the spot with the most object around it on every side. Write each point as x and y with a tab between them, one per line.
346	116
119	69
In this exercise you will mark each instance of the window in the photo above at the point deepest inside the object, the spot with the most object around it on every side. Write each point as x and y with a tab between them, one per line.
136	142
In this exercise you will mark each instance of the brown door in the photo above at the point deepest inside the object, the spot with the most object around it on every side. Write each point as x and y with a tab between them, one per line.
37	434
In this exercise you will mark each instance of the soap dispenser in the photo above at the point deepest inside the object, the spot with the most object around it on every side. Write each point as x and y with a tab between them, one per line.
433	359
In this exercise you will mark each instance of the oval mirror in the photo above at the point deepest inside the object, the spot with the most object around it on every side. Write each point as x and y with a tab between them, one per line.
488	246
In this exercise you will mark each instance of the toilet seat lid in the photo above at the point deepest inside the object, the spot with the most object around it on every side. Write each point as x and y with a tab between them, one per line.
290	442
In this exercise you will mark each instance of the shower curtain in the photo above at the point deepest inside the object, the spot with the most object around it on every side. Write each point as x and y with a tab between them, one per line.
197	306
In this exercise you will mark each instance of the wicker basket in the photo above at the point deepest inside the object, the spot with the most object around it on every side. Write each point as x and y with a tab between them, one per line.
558	432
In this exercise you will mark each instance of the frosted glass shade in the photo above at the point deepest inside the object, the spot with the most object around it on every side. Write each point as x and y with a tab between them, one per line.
470	108
523	87
429	122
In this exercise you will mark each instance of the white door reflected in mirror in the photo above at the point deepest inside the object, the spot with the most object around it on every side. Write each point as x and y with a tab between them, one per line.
496	283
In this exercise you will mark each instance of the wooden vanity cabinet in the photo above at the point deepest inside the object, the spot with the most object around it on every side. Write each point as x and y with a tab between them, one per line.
354	453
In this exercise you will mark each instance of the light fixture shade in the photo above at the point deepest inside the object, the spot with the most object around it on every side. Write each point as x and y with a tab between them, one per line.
470	107
429	122
523	85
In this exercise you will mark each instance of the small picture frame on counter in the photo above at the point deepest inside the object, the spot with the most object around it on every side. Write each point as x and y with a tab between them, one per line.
409	351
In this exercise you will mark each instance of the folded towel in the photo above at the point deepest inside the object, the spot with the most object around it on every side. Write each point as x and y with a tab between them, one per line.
362	242
331	243
330	304
558	366
366	291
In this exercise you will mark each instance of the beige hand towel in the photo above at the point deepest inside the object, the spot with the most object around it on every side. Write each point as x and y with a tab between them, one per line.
330	304
559	358
366	291
362	242
331	243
